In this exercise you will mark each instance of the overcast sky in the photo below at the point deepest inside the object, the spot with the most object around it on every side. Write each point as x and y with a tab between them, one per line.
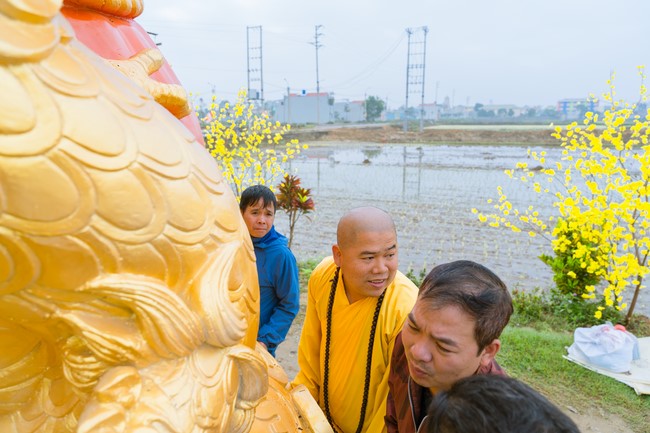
524	52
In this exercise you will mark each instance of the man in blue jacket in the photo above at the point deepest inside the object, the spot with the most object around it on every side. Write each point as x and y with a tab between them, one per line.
276	267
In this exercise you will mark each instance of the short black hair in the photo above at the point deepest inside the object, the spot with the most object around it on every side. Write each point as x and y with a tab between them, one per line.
491	403
253	194
474	289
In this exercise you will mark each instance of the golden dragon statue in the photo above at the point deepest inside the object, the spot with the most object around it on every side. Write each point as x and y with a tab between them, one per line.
128	289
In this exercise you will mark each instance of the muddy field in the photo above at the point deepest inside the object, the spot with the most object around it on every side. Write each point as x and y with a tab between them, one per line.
430	190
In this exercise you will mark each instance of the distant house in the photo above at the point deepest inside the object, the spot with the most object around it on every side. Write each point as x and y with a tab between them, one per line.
458	112
348	111
575	108
431	111
312	108
504	110
301	108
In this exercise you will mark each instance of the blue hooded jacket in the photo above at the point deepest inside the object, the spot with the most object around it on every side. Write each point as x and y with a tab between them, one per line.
277	272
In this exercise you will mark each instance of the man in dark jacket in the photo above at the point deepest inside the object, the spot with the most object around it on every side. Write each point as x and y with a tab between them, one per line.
451	333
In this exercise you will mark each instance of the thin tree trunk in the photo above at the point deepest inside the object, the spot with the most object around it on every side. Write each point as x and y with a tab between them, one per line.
292	224
630	310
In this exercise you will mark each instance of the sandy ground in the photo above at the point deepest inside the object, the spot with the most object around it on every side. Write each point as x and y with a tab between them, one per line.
594	420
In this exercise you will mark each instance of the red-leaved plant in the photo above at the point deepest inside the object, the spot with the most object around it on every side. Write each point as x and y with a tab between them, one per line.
294	200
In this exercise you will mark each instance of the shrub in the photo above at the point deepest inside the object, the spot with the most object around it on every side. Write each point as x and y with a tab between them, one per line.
570	248
417	279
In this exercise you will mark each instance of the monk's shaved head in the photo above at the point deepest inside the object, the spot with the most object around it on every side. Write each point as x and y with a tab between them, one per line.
361	220
366	252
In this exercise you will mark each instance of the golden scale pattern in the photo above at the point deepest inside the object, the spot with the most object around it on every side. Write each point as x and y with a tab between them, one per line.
128	290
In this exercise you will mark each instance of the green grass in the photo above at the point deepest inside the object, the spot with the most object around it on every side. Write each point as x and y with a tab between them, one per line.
535	357
539	332
304	271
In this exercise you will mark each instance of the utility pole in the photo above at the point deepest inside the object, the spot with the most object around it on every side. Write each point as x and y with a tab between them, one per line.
415	68
437	84
288	119
254	63
317	45
409	32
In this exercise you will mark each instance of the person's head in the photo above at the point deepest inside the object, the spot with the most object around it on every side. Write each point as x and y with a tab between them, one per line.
258	205
366	252
489	403
454	327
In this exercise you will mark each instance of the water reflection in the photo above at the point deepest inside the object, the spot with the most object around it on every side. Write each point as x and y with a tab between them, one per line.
407	173
429	191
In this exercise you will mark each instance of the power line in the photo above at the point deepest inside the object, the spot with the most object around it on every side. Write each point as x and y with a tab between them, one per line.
371	68
254	71
317	45
173	31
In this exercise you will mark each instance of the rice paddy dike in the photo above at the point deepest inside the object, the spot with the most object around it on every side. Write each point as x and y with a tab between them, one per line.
448	134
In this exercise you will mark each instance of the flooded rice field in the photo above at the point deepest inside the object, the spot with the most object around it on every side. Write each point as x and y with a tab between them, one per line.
430	192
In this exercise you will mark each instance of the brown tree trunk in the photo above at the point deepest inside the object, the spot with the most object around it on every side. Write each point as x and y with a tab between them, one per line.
630	310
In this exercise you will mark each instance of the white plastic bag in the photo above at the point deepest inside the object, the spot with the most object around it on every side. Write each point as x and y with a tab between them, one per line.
605	346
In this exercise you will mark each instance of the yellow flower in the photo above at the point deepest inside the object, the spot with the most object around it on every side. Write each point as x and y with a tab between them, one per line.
234	137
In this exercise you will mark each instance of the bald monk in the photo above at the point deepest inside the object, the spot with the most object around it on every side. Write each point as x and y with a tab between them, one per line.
357	304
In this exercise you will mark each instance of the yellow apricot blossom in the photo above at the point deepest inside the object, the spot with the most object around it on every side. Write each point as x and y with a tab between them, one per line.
601	193
247	146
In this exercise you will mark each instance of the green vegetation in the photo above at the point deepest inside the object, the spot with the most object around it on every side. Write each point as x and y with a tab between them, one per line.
374	106
304	271
417	279
539	332
559	311
535	357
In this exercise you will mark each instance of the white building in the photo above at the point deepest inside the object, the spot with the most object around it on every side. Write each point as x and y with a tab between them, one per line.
431	111
348	112
301	108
